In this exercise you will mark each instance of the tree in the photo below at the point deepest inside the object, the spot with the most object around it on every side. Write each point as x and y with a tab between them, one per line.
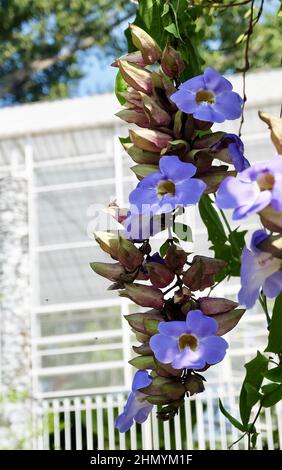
42	41
225	38
45	42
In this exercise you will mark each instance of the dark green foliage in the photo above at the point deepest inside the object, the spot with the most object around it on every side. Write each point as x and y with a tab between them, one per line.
43	43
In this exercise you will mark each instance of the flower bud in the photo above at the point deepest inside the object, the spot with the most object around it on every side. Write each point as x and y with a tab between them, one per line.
147	139
144	170
173	390
160	275
108	242
165	370
202	159
175	258
144	349
128	255
171	62
183	295
143	362
137	320
275	125
134	117
133	57
133	99
214	305
155	388
272	245
213	179
111	271
201	274
148	47
140	79
271	219
194	384
162	82
177	126
155	114
158	400
141	156
208	140
146	296
227	321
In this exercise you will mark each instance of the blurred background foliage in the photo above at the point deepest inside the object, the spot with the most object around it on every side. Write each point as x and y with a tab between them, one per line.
48	46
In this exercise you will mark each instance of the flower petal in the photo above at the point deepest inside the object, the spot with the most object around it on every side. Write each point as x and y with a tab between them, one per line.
184	100
174	169
273	285
143	414
201	325
234	193
214	349
194	84
141	379
207	112
276	200
164	347
189	359
172	328
123	422
229	104
215	82
189	192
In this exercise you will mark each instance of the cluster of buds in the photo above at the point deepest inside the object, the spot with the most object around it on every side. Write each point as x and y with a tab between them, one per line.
178	276
270	218
165	129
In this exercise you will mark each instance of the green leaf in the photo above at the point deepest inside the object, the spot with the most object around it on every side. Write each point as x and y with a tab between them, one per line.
172	29
272	395
253	395
230	418
183	232
237	242
212	221
120	86
275	374
165	9
163	249
149	18
255	370
275	336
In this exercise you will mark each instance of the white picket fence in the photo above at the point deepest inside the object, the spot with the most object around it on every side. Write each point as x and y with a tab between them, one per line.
87	422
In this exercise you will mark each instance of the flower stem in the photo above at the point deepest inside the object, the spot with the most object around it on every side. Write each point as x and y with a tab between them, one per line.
225	220
263	302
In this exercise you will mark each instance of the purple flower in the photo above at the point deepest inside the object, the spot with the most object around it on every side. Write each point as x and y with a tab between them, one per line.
189	344
231	150
253	189
163	190
209	97
137	408
259	270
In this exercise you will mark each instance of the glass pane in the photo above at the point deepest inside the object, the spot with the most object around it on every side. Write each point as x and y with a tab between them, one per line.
80	321
65	276
63	216
82	358
101	378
